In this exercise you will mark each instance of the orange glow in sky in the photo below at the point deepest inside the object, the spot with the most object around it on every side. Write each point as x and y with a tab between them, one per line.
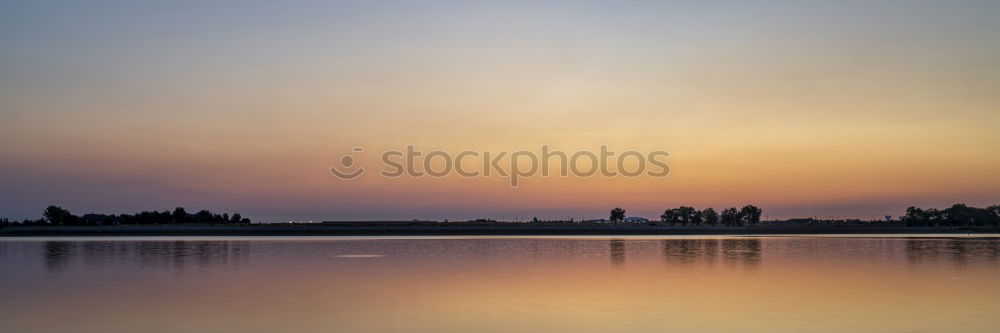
803	109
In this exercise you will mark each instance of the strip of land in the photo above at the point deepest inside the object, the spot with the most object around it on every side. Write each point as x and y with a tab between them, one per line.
470	229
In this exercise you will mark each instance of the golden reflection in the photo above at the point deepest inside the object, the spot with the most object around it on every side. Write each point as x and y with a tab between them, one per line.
503	284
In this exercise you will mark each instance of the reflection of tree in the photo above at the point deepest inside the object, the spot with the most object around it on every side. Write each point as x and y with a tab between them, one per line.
617	252
684	251
176	255
687	252
711	249
745	251
56	255
957	251
178	251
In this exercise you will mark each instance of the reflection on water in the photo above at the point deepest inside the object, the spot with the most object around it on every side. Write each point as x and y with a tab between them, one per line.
178	255
501	284
174	255
617	252
56	254
743	252
957	252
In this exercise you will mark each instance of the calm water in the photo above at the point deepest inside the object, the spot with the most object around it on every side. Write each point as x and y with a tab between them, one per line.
500	284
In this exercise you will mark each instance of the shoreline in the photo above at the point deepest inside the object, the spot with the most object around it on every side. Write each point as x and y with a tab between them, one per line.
391	229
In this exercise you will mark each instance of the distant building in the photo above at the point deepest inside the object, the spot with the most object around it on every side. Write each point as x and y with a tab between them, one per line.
636	219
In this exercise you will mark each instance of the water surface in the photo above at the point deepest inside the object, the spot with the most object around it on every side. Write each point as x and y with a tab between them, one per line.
500	284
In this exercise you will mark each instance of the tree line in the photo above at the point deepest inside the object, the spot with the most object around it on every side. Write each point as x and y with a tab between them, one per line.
685	215
55	215
958	215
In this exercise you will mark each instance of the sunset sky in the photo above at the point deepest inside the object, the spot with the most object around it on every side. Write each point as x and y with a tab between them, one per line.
804	108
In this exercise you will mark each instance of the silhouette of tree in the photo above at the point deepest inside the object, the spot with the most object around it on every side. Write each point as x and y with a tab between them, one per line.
58	216
995	211
669	216
984	217
916	217
97	219
710	216
686	214
203	216
180	216
958	215
731	217
697	218
750	214
617	215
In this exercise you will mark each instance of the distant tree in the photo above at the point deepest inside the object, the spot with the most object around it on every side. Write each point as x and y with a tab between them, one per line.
685	214
697	218
96	219
58	216
915	217
535	219
617	215
750	214
236	218
958	215
669	216
203	216
150	217
38	222
731	217
982	217
995	211
180	216
710	216
934	217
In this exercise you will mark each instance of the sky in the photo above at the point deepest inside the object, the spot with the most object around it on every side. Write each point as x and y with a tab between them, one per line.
803	108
